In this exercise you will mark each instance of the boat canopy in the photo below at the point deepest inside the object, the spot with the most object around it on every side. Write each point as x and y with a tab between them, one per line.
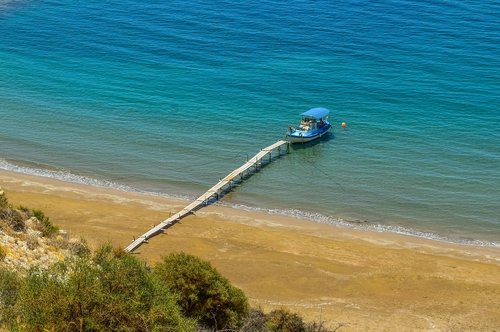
316	113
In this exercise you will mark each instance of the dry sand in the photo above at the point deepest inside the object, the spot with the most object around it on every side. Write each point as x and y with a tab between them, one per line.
366	281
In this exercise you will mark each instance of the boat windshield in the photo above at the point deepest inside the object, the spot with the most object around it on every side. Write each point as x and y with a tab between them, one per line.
308	119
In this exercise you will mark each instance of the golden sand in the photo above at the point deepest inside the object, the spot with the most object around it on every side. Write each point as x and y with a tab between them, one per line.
366	281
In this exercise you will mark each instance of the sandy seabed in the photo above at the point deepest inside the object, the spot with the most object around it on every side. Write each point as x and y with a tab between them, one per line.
359	280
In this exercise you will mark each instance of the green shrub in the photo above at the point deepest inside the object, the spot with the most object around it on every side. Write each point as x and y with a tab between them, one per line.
281	320
4	203
42	303
114	291
10	284
320	327
79	248
256	321
25	210
100	293
48	229
203	293
13	218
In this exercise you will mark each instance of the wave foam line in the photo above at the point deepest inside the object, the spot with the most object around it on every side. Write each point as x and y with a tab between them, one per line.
329	220
66	176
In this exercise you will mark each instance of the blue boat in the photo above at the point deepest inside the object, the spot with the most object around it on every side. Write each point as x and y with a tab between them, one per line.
314	124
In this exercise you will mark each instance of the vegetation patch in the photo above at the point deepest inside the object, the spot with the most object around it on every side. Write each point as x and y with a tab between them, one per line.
202	292
110	290
47	228
3	252
4	203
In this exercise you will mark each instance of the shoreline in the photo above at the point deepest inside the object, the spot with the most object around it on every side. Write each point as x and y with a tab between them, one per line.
73	179
360	278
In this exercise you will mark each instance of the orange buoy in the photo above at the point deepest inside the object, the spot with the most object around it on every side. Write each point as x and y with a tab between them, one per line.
344	124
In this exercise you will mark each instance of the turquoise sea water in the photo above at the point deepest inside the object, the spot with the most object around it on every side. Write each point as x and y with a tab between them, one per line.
168	97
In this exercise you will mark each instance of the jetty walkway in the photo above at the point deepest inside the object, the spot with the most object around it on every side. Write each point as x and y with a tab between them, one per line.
223	186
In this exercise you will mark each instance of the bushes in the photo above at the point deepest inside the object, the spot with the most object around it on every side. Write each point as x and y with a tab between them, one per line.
132	293
255	322
14	219
283	321
79	248
203	293
279	320
111	290
4	203
47	228
10	284
114	291
106	292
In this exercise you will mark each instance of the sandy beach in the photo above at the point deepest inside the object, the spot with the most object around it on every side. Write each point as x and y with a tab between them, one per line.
366	281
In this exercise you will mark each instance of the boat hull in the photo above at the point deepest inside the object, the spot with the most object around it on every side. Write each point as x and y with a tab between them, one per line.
304	137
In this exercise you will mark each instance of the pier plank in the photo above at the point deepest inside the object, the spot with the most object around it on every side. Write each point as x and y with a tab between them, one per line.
202	200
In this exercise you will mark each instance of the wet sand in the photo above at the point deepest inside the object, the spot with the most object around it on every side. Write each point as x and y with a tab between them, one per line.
367	281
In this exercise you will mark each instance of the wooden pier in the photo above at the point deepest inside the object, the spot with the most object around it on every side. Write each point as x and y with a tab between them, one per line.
214	193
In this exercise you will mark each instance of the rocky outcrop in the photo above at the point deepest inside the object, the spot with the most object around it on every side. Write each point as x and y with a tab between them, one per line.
24	243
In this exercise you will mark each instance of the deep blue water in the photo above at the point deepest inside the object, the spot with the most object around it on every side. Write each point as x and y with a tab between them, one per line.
168	97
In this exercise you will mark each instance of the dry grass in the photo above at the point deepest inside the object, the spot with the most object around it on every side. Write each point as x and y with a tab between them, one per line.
3	252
